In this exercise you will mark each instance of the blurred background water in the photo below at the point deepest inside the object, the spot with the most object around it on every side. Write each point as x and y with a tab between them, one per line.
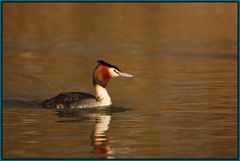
182	102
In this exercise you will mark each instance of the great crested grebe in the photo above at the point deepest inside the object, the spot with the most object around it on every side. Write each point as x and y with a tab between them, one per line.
101	75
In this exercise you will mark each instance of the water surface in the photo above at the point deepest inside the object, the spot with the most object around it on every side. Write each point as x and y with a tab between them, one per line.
181	103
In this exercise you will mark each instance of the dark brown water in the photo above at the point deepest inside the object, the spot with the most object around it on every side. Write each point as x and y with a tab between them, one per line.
182	102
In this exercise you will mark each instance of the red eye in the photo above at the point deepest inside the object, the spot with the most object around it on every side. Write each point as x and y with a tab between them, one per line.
115	71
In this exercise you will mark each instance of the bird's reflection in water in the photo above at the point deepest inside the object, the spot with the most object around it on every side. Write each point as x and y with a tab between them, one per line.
99	140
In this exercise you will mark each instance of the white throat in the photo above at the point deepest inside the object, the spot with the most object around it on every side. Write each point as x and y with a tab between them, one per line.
102	96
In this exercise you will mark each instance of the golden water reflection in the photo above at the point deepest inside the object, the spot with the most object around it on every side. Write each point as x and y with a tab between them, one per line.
100	141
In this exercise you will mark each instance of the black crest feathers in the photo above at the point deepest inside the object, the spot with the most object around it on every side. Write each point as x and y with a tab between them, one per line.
106	64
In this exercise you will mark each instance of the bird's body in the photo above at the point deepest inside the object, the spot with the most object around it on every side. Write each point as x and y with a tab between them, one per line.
74	100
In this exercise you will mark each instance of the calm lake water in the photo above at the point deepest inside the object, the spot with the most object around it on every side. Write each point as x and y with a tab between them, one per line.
181	103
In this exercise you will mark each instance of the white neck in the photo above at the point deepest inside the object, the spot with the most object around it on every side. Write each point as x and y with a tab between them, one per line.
102	96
